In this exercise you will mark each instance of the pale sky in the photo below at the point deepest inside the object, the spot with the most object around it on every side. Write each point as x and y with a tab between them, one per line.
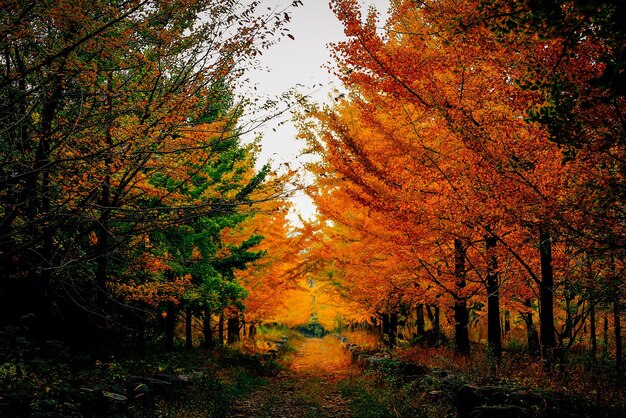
298	63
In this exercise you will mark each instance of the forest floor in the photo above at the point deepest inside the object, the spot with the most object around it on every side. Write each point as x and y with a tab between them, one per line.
306	387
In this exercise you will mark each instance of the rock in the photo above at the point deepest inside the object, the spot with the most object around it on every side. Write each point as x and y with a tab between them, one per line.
362	361
139	391
101	400
547	404
185	378
114	396
467	399
145	388
441	373
494	395
508	411
152	381
172	380
355	354
451	383
375	361
412	369
270	355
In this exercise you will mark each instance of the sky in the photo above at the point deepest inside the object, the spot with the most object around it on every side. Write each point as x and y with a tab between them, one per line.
298	63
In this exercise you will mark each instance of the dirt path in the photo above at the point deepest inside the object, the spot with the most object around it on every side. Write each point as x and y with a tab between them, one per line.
307	387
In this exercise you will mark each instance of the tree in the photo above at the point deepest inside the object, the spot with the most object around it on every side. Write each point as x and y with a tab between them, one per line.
438	139
98	99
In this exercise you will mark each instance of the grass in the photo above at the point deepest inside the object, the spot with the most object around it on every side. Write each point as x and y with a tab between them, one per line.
310	395
373	397
578	378
55	383
266	338
210	397
275	332
382	393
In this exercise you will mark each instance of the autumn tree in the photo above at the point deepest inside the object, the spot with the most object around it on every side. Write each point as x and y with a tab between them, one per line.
438	138
270	279
102	104
577	76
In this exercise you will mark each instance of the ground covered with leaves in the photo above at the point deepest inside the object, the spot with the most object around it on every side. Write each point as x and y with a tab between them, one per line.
195	383
308	386
305	377
434	382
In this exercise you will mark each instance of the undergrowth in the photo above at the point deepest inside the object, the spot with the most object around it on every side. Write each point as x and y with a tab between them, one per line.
266	338
579	377
373	397
52	381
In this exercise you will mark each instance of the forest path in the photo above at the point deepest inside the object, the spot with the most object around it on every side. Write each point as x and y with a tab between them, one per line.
307	387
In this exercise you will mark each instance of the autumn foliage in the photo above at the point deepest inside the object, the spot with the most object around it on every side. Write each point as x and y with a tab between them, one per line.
468	176
472	163
123	174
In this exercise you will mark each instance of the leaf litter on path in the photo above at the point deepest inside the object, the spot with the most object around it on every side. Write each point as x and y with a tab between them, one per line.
307	387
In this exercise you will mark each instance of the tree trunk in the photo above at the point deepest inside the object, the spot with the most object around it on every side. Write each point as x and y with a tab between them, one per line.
546	296
220	329
141	336
431	316
40	206
592	331
507	324
389	328
374	322
605	330
188	329
461	314
419	320
251	331
384	319
233	329
531	331
494	342
619	355
206	329
461	333
393	328
170	325
102	225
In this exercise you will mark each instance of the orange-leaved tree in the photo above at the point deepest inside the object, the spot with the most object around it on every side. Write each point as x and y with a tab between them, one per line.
96	98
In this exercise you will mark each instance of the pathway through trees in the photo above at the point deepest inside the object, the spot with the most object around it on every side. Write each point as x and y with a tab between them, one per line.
307	387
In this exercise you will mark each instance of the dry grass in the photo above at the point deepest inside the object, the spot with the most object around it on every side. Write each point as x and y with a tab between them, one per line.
364	339
594	382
